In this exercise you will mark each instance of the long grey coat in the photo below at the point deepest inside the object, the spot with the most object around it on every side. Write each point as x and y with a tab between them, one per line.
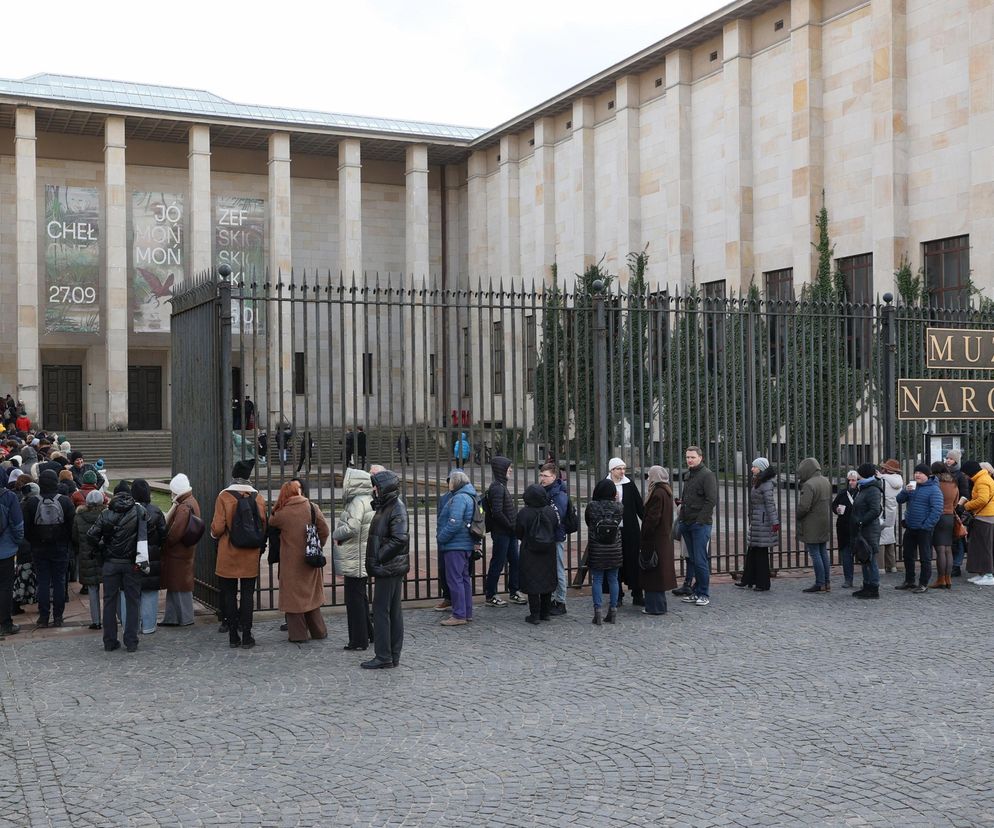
814	507
763	513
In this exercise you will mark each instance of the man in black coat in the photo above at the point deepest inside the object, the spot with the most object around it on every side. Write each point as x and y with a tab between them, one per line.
501	516
360	447
48	519
699	497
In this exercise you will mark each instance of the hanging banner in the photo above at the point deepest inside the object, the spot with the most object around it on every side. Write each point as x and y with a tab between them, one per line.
156	258
240	243
71	238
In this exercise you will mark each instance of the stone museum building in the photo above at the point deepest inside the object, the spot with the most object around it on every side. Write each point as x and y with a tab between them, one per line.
715	146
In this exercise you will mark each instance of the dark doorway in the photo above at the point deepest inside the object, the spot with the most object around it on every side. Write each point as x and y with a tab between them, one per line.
144	397
62	397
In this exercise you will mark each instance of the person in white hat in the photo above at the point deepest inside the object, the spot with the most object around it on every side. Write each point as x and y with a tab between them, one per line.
178	556
630	499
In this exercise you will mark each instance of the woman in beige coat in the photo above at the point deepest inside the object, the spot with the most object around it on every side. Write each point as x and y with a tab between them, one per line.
301	585
178	559
351	534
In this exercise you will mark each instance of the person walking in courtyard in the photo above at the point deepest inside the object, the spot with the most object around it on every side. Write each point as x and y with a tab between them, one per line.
360	447
634	509
555	489
88	553
697	503
924	499
151	581
387	561
980	541
351	536
841	505
944	533
535	525
460	451
349	447
657	573
501	514
239	527
301	584
814	525
48	520
890	473
603	517
178	553
864	528
456	544
764	526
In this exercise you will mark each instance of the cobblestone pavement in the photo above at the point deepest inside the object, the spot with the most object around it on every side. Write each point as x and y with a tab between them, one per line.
764	709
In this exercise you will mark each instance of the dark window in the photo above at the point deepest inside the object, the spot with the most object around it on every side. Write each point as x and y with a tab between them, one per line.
497	348
431	375
779	285
467	364
714	322
299	373
367	375
857	276
531	353
947	272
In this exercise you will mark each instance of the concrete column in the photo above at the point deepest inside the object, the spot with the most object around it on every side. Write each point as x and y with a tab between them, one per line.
279	315
201	216
510	208
416	213
981	128
545	198
417	322
583	176
476	185
626	116
349	380
808	131
28	320
737	81
679	175
116	273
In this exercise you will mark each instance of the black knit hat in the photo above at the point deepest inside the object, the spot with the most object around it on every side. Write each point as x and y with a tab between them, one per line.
924	468
970	467
866	470
242	470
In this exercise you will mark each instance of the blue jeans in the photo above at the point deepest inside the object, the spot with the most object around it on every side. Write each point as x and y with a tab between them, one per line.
818	553
845	553
597	585
50	565
871	572
959	551
697	539
504	551
559	595
149	611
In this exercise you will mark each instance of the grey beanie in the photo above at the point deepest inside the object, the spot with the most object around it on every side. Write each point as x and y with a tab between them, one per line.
95	498
761	463
955	455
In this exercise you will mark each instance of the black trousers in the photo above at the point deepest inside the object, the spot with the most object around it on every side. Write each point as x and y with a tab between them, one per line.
539	605
757	567
118	577
6	589
237	614
917	543
357	611
388	623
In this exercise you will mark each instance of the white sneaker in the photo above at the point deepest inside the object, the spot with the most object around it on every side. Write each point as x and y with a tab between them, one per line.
689	599
496	602
703	601
986	580
976	579
517	598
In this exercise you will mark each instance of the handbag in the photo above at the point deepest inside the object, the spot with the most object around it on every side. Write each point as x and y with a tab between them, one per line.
861	550
194	531
313	553
959	528
274	545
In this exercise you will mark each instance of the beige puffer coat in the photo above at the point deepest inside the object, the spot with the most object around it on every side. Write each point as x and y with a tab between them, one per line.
352	527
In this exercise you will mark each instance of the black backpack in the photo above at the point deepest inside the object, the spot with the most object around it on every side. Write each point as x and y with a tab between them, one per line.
245	531
541	536
477	526
571	522
606	530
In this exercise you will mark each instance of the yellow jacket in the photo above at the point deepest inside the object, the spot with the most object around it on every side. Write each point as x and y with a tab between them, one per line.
982	501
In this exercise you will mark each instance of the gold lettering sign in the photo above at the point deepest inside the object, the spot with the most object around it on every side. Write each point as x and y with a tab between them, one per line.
932	399
959	348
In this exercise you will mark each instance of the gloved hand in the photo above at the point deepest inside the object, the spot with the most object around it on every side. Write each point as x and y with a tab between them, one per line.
960	509
776	528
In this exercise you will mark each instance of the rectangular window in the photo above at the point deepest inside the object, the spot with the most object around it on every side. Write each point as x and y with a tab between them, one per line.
497	349
779	287
367	375
531	352
857	276
947	272
299	373
431	375
467	364
714	322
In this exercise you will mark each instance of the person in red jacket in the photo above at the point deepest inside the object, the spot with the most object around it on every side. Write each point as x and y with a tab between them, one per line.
23	423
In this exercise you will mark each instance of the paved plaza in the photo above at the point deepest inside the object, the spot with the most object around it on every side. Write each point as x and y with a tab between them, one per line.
763	709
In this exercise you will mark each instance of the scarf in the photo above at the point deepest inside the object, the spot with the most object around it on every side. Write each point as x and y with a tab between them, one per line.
656	476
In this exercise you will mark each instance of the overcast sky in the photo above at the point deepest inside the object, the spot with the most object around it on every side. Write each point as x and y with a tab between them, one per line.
467	63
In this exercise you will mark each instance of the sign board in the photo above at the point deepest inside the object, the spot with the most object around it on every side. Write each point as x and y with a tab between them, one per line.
945	399
959	348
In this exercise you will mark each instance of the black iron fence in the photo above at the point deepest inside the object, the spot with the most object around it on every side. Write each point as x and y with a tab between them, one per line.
539	372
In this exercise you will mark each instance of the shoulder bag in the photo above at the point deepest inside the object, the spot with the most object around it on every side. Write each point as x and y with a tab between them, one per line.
313	553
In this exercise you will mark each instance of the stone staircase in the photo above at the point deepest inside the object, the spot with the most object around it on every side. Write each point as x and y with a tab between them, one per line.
125	449
381	446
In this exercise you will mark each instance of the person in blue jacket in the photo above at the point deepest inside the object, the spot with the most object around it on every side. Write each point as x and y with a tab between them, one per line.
455	515
11	535
460	451
924	499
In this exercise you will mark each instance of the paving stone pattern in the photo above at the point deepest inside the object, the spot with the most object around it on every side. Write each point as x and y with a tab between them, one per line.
763	709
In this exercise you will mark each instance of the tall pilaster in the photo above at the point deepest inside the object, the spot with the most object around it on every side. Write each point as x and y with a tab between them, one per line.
737	81
544	164
583	176
281	345
476	186
679	175
353	337
626	116
808	133
28	322
201	221
116	273
980	130
510	208
417	267
416	262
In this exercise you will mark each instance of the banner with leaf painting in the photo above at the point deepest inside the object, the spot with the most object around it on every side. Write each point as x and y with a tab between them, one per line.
157	256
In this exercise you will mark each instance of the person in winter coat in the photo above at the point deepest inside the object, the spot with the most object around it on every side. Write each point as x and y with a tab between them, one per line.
90	484
25	577
764	526
841	505
301	585
116	532
555	489
237	568
360	447
177	558
88	553
457	544
535	526
980	541
48	526
656	542
697	503
603	517
944	533
388	561
501	513
351	535
151	580
864	526
890	473
814	524
631	532
924	499
460	451
12	521
952	461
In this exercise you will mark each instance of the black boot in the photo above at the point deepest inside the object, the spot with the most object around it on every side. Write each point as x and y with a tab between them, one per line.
609	618
597	618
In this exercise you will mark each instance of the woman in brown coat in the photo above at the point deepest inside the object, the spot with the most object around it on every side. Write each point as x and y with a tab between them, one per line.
657	539
301	585
178	560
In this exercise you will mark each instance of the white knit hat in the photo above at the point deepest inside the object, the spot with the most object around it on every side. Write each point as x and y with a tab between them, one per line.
614	463
180	485
761	463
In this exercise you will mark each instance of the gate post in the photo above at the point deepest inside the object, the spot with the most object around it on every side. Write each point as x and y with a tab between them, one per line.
600	376
224	364
888	336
